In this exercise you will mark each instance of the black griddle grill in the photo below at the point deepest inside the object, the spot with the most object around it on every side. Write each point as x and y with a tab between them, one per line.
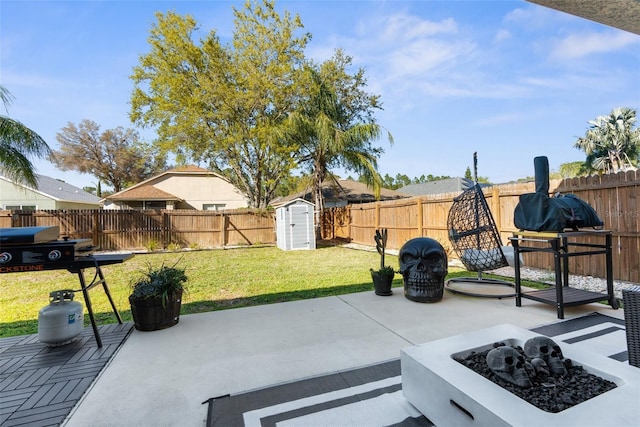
32	249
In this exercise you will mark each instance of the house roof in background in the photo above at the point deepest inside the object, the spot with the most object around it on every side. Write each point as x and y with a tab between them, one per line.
351	191
59	190
145	192
621	14
188	168
449	185
283	202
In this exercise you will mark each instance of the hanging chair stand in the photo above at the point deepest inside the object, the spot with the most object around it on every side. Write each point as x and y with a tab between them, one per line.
475	239
480	287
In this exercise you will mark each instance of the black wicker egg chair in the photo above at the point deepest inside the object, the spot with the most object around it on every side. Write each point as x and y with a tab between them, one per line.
474	237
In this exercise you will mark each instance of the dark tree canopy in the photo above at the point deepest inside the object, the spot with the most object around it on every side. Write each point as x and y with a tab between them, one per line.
116	156
402	180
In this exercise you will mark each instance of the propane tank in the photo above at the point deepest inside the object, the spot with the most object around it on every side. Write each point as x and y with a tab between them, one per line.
62	320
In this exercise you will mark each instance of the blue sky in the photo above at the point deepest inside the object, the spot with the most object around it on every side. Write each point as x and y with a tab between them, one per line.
509	79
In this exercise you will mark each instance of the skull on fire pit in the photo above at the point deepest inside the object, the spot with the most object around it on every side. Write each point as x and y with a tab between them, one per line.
546	349
506	363
423	265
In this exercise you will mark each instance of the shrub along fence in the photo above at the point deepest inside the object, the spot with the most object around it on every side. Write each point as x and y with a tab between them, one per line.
614	197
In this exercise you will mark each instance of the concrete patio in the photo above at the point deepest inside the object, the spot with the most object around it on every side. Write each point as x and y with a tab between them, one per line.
162	378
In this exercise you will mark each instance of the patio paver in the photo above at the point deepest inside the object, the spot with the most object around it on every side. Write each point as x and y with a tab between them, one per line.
40	385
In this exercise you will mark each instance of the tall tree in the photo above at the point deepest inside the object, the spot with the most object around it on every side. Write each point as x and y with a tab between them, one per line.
403	180
225	104
18	144
467	173
292	184
611	143
571	169
335	128
388	182
116	157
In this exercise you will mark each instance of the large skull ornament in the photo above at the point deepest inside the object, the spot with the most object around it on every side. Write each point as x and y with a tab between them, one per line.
546	349
423	265
506	363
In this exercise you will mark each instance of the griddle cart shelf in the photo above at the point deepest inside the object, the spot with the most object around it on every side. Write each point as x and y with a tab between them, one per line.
563	246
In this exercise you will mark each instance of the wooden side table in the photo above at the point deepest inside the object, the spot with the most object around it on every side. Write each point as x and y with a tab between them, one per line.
563	246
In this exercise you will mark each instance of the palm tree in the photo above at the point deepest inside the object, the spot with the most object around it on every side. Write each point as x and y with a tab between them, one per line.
327	139
17	144
611	143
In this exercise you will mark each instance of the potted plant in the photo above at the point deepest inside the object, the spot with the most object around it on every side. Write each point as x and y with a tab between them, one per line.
156	297
382	278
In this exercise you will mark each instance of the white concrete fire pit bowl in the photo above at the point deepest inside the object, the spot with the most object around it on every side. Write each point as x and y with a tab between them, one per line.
450	394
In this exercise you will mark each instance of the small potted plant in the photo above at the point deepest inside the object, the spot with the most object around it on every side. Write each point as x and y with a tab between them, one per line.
156	297
382	278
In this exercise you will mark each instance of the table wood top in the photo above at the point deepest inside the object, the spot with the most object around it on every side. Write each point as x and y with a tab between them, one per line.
558	235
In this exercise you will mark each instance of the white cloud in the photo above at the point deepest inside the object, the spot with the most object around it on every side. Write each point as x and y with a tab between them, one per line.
35	81
426	55
380	34
403	27
406	53
551	82
580	45
501	35
500	119
535	17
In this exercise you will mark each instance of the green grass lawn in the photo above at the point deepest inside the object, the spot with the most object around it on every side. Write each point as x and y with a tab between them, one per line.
218	280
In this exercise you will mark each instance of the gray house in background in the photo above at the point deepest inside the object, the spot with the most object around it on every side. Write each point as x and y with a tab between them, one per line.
50	194
450	185
345	192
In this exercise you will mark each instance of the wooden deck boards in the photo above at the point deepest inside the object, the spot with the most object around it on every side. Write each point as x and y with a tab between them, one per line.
40	385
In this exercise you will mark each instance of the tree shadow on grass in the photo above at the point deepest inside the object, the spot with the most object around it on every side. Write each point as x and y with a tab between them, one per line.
28	327
277	297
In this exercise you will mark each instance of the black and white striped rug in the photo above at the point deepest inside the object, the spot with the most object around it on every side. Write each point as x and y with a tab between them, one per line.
372	395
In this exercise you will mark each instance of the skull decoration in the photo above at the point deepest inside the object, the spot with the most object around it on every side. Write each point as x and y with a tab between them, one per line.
547	350
539	367
423	265
506	363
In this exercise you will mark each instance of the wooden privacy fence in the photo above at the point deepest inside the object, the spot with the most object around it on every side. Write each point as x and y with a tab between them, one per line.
614	197
136	230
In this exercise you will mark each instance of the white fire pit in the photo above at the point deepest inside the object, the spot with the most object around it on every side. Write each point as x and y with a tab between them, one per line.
450	394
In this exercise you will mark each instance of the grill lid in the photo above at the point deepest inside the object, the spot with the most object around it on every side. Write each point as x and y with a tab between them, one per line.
28	235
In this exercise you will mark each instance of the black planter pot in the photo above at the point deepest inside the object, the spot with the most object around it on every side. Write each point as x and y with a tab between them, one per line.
150	315
382	283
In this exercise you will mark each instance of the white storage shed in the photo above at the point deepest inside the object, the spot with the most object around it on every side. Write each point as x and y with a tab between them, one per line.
295	225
